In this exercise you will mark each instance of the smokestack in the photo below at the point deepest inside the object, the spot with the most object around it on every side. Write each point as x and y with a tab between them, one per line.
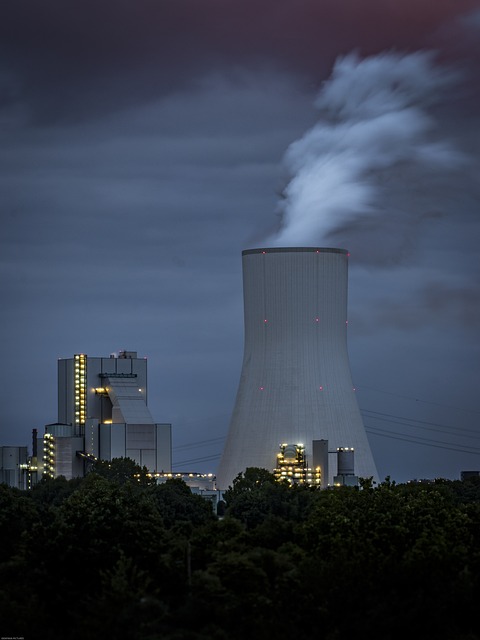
34	443
295	384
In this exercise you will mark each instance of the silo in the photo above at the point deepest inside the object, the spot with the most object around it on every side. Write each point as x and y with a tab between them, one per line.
295	384
345	461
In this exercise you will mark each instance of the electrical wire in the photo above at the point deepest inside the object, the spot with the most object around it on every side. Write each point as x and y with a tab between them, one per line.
197	460
438	444
200	443
398	395
418	424
411	423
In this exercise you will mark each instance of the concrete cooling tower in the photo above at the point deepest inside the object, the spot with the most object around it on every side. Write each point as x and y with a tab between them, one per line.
295	385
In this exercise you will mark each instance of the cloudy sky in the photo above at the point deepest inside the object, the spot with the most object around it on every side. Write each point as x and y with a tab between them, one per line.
146	143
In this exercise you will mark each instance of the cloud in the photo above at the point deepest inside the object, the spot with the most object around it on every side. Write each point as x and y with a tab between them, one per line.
141	151
73	60
374	118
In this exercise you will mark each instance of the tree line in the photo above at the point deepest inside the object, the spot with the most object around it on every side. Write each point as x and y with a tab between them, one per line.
115	555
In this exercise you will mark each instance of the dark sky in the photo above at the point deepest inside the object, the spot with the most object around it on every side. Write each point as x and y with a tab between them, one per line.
143	147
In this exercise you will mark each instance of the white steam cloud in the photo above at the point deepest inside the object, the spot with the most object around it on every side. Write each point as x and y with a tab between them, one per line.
374	116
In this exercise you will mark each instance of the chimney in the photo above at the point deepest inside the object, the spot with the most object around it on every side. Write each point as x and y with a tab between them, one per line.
295	383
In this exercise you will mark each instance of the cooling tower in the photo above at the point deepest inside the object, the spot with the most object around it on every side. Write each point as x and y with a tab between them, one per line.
295	384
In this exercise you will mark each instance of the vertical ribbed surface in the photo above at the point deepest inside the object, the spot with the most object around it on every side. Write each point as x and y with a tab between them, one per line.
295	384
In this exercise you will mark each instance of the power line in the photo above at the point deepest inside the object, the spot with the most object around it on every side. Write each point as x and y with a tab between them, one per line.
441	428
417	437
427	443
200	443
376	431
398	395
197	460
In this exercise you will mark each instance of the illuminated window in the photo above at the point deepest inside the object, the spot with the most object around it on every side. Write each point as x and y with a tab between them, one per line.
80	388
292	466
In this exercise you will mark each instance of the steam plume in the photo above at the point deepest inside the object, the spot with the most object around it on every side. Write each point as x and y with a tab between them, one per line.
374	115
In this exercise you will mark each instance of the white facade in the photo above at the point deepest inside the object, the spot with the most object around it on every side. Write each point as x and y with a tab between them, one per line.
295	384
57	452
82	382
150	445
13	463
102	402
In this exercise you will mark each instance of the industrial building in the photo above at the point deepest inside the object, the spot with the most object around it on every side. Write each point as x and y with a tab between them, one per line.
296	388
201	484
13	464
102	414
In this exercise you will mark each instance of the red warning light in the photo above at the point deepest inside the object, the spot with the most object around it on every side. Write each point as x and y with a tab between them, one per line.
260	388
321	388
265	320
317	319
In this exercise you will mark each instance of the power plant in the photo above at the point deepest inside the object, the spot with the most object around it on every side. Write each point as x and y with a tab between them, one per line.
296	412
295	387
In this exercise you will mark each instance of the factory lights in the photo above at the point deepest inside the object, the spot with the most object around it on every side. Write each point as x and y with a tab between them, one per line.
49	455
292	466
80	377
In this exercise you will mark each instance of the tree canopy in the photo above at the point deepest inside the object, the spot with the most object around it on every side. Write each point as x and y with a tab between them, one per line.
111	556
122	471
